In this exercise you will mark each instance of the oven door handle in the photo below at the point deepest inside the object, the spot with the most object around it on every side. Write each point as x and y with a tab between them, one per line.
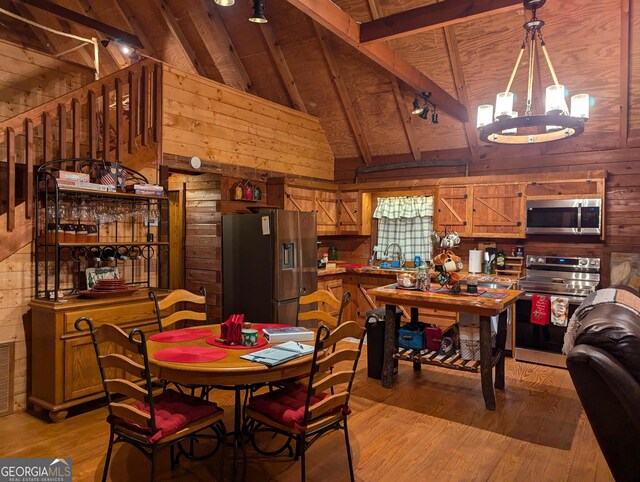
573	300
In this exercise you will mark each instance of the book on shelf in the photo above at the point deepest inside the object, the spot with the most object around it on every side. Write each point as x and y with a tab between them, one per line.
144	187
146	192
290	333
279	354
88	186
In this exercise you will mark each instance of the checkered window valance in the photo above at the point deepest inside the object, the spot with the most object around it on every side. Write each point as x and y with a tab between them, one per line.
407	221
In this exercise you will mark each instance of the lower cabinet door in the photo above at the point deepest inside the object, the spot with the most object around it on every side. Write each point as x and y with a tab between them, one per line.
81	373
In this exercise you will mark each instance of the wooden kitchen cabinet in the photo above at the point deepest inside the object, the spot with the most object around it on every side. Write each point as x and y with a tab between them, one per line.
63	362
333	284
454	209
326	208
498	211
299	199
557	189
354	213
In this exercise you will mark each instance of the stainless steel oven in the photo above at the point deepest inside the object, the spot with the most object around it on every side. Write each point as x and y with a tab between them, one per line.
572	278
564	216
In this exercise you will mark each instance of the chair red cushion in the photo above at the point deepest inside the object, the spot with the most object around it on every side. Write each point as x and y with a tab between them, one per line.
286	405
173	411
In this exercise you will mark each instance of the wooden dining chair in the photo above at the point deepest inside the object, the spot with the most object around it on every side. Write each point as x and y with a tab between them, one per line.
316	314
150	423
304	412
178	297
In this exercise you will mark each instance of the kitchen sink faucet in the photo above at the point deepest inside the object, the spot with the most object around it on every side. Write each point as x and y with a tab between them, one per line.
401	259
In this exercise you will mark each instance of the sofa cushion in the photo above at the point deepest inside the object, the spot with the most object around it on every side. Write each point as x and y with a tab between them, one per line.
615	330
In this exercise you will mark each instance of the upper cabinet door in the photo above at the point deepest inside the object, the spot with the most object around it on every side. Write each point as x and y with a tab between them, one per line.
498	211
326	207
354	213
454	209
299	199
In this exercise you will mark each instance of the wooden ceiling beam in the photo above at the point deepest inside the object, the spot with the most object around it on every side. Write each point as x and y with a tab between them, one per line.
283	68
407	119
331	17
132	23
405	115
112	49
343	94
216	40
429	17
41	35
461	87
67	14
178	34
61	43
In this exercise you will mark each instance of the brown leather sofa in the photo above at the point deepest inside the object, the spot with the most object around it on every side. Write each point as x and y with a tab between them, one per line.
605	369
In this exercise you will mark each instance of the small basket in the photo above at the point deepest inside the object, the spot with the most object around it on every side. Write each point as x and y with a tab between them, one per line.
411	337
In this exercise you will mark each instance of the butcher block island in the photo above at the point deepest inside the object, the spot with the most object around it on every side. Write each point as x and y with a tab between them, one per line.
65	372
484	305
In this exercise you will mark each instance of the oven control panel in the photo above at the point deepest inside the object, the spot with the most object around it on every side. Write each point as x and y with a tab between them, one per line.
568	263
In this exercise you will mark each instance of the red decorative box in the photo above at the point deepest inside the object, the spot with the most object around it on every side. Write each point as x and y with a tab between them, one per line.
433	338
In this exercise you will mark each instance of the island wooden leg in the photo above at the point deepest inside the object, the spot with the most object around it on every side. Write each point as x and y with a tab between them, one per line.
501	339
417	366
389	346
486	363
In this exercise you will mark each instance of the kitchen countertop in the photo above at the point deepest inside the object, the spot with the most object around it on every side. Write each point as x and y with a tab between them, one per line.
357	269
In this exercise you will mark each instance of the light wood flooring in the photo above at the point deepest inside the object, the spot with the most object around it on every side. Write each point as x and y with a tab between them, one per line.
431	426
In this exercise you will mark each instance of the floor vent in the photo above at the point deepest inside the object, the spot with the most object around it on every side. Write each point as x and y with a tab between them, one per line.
6	378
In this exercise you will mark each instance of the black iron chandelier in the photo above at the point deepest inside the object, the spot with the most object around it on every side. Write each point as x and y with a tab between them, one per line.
506	127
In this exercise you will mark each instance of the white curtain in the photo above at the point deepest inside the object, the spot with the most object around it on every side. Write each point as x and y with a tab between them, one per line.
407	221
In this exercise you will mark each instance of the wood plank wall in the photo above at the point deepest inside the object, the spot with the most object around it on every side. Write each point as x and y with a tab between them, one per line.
222	125
29	79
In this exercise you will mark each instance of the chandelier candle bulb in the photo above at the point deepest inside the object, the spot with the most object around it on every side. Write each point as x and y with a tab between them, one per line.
485	115
554	101
580	106
504	104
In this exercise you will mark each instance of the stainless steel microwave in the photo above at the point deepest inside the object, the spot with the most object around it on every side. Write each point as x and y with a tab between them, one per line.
564	216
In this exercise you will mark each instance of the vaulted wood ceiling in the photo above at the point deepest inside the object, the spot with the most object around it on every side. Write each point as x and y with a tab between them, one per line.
363	107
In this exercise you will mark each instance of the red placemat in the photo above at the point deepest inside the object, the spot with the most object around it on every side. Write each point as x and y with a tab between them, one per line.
262	326
185	334
212	341
189	354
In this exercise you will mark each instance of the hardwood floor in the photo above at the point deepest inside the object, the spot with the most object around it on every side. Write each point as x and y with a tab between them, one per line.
431	426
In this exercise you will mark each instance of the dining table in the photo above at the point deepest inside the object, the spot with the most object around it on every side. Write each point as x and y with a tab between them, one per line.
483	305
201	360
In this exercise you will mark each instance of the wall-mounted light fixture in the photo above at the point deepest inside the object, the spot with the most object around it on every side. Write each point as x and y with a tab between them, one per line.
421	109
224	3
258	12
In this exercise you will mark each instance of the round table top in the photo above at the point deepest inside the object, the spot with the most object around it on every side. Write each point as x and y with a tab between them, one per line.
231	370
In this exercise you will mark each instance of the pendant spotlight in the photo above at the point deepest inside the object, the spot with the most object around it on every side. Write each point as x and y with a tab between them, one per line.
258	12
421	109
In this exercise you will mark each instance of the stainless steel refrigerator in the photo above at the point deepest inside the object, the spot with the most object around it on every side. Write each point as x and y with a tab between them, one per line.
266	259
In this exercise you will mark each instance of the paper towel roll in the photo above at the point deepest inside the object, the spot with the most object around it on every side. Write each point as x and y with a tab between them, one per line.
475	261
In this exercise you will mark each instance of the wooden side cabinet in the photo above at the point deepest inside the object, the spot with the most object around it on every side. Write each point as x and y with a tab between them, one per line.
326	208
63	362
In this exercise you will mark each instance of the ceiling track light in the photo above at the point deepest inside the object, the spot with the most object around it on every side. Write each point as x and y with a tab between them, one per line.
421	109
258	12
